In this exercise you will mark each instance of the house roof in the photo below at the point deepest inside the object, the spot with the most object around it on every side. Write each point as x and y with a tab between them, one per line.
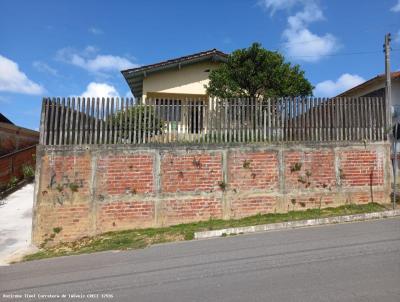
377	79
3	119
135	76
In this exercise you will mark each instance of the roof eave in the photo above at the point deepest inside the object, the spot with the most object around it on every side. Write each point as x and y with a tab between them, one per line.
137	74
145	71
394	75
360	86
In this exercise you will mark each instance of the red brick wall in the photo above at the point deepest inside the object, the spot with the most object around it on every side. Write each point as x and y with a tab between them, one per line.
73	219
191	209
68	171
124	214
136	188
248	206
126	174
253	170
309	169
11	165
191	172
361	168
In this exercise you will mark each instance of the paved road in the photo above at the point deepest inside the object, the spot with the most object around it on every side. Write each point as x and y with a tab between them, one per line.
349	262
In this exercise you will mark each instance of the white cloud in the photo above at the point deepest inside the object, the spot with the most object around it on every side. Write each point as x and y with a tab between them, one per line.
396	7
89	50
14	80
275	5
331	88
300	42
100	90
95	30
43	67
304	45
108	62
91	61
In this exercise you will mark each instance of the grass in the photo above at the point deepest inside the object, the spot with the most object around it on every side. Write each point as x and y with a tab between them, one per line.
141	238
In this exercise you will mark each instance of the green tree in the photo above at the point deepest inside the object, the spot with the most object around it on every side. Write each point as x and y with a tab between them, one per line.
257	72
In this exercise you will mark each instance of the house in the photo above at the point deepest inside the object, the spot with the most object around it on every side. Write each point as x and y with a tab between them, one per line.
17	149
375	87
14	138
182	77
177	86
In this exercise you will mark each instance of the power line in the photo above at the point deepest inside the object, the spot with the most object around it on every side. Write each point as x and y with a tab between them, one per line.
302	42
343	54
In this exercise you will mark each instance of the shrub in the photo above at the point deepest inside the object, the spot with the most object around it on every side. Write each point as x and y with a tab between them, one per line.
12	183
137	113
28	171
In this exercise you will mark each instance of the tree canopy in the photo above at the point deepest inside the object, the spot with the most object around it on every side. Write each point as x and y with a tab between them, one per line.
257	72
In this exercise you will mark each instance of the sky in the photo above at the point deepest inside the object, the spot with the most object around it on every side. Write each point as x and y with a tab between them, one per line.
78	47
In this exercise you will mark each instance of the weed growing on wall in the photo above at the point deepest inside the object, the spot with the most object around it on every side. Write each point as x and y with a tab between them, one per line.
197	163
73	187
296	167
222	185
246	164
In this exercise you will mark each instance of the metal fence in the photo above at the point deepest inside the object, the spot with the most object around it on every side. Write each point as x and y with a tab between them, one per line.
77	121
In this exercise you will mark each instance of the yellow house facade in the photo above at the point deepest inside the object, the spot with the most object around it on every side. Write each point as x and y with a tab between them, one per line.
185	76
188	81
179	85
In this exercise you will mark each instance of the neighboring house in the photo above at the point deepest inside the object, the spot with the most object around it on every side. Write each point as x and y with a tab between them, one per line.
4	119
17	149
375	87
14	138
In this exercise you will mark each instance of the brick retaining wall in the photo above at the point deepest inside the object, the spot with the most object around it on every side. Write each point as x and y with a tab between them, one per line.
87	190
11	164
13	138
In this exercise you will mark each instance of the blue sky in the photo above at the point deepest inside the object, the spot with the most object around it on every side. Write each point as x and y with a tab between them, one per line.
64	48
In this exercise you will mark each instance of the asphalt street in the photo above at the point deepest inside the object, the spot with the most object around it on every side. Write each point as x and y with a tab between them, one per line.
347	262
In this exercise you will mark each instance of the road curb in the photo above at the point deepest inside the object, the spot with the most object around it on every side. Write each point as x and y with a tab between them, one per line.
295	224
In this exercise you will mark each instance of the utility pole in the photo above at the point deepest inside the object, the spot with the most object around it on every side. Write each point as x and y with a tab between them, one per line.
388	86
389	119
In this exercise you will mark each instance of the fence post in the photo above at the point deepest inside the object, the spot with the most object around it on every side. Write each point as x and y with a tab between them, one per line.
115	119
67	122
78	124
42	122
56	122
87	120
62	128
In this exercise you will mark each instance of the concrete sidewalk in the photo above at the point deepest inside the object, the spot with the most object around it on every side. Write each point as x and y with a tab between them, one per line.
296	224
16	223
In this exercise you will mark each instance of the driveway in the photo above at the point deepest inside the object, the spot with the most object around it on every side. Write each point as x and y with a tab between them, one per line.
15	223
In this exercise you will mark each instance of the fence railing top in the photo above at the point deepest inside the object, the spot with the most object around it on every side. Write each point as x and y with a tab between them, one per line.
108	120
